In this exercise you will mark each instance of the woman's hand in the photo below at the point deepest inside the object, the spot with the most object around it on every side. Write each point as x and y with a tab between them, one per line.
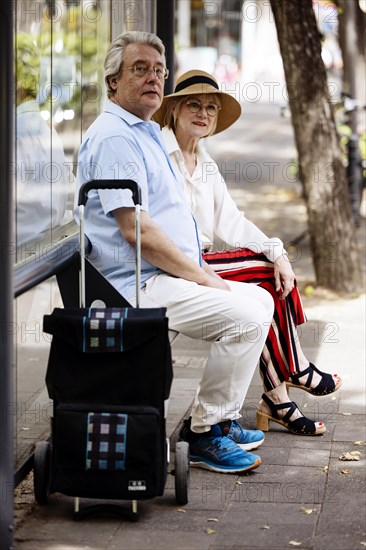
284	276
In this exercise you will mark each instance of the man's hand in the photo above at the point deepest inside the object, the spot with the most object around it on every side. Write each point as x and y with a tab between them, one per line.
284	276
214	280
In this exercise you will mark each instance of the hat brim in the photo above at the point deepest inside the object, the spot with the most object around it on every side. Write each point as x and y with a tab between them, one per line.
229	112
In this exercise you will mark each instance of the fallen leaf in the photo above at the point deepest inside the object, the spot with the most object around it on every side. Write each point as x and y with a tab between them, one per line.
361	443
355	453
363	543
239	483
325	469
347	414
309	290
346	471
308	510
181	510
295	543
210	531
212	519
265	527
333	398
348	456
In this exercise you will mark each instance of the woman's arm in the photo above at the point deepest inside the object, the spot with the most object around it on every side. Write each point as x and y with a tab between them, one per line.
232	227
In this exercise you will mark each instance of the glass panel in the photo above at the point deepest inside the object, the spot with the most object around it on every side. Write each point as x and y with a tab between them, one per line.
59	52
41	182
140	16
34	409
91	92
60	47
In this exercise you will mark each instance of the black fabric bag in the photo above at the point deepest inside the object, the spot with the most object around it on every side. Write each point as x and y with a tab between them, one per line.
109	372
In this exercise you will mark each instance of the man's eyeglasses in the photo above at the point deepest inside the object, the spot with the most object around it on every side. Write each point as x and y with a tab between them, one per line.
142	70
195	106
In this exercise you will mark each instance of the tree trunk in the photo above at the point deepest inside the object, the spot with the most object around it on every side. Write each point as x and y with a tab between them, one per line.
335	251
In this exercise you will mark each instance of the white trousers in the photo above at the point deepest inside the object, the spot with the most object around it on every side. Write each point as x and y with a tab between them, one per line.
236	323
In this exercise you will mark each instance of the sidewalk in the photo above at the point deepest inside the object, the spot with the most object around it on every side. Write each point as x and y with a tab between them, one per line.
302	495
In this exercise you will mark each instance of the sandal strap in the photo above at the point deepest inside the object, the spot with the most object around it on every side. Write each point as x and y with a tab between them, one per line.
292	408
325	386
309	372
279	406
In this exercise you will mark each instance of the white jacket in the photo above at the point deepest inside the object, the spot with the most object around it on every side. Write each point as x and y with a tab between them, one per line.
220	223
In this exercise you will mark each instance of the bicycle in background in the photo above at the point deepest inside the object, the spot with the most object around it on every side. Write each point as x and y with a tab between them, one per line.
353	146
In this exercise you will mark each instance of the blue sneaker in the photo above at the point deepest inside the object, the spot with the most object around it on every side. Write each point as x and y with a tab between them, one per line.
246	439
217	452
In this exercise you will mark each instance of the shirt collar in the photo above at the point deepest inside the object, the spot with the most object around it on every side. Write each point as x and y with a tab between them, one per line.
130	118
170	140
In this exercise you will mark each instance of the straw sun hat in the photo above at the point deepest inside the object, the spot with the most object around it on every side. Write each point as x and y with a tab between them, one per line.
200	82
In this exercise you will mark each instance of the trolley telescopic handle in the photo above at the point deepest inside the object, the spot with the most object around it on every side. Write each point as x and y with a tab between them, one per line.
82	200
109	184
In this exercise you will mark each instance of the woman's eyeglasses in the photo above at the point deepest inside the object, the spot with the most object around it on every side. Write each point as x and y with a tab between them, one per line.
195	106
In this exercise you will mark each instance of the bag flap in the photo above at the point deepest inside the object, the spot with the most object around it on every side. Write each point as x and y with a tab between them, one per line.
97	330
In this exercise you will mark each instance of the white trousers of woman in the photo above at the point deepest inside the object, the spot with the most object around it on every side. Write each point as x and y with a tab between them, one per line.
236	323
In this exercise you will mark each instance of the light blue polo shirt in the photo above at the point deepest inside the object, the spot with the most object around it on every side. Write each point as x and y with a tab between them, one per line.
119	145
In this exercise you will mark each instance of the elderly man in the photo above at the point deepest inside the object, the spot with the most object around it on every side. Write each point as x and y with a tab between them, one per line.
125	143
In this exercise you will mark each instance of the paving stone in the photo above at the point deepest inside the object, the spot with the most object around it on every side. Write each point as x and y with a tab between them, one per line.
340	515
350	430
322	443
291	484
159	539
352	401
272	455
339	541
313	457
348	446
286	522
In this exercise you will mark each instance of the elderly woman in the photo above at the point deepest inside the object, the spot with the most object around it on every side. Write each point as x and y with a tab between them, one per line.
238	250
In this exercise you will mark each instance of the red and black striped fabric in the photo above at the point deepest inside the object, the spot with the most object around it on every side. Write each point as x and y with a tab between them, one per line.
279	356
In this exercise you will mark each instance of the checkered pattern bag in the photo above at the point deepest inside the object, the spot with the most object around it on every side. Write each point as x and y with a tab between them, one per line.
103	330
106	441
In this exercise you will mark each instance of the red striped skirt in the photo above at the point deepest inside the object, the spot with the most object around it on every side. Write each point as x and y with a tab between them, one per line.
279	355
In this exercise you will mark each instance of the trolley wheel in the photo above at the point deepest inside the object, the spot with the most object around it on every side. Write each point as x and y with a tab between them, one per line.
42	472
181	472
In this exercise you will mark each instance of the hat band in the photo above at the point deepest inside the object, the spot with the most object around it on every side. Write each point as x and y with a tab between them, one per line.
195	80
